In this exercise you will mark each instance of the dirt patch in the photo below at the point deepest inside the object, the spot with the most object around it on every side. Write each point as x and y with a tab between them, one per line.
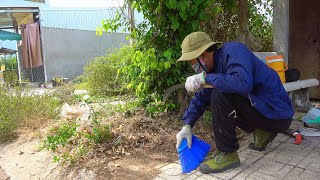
140	164
139	147
146	144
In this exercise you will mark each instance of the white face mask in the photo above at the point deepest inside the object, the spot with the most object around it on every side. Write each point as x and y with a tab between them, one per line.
199	66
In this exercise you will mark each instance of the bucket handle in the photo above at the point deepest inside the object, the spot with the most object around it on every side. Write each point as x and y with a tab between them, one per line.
285	66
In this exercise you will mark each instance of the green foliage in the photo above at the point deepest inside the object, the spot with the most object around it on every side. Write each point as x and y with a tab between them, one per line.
60	135
207	118
224	25
109	25
11	77
19	108
153	67
10	74
224	22
10	62
169	22
70	142
153	104
260	21
100	133
102	75
148	74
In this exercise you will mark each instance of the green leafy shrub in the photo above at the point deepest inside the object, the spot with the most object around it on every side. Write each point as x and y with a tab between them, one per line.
147	74
11	77
10	62
101	75
153	67
155	105
260	22
60	135
70	142
66	143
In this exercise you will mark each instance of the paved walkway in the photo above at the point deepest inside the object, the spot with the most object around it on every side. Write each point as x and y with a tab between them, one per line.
281	160
3	175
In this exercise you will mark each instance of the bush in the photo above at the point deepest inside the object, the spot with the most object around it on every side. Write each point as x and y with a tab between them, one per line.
102	76
11	77
10	62
158	39
20	109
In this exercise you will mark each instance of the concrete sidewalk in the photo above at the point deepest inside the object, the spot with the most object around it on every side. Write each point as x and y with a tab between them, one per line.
3	175
281	160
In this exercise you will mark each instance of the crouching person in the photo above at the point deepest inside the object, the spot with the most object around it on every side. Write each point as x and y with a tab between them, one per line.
246	93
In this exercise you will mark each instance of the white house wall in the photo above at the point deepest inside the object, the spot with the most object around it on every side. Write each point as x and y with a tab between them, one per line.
67	51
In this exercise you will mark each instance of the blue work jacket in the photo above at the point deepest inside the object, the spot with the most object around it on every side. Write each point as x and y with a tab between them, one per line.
237	70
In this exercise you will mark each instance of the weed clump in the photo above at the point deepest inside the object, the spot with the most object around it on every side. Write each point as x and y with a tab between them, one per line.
20	108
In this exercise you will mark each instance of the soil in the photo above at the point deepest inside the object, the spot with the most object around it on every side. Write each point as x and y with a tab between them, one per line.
147	144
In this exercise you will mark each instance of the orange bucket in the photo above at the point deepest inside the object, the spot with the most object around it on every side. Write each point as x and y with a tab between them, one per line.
278	64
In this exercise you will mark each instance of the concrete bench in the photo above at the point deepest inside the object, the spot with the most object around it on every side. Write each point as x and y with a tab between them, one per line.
299	93
298	90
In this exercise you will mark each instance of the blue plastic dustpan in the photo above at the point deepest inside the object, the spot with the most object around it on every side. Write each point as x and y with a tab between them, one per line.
191	158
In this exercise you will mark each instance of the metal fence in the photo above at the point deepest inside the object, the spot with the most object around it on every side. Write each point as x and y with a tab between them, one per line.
30	75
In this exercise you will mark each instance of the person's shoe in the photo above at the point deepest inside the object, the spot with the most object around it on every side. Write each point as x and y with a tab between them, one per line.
261	139
220	162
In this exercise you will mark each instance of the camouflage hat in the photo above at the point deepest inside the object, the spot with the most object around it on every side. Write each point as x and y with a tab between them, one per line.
194	45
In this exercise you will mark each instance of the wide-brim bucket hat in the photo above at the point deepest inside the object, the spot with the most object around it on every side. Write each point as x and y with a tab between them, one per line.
194	45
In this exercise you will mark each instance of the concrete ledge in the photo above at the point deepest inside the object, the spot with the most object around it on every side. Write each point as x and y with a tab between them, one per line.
296	85
299	93
262	55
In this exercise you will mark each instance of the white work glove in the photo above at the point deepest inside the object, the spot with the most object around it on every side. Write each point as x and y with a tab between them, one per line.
185	133
195	82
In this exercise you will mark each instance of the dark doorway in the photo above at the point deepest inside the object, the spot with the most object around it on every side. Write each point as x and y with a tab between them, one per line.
304	40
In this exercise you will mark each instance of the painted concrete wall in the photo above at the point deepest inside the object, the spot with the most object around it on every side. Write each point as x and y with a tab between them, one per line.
66	51
281	27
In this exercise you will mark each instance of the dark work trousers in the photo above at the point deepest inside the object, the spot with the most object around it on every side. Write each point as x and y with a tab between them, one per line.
230	111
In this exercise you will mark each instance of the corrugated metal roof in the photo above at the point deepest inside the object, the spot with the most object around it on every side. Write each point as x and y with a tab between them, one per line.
20	3
75	18
38	1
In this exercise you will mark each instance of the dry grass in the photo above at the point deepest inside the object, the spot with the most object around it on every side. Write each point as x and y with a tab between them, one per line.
21	110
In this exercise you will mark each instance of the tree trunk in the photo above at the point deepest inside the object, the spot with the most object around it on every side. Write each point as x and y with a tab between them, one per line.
131	19
245	35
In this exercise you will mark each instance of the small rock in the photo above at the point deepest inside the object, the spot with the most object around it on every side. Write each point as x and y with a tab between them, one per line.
115	157
86	97
109	152
79	92
20	153
101	149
